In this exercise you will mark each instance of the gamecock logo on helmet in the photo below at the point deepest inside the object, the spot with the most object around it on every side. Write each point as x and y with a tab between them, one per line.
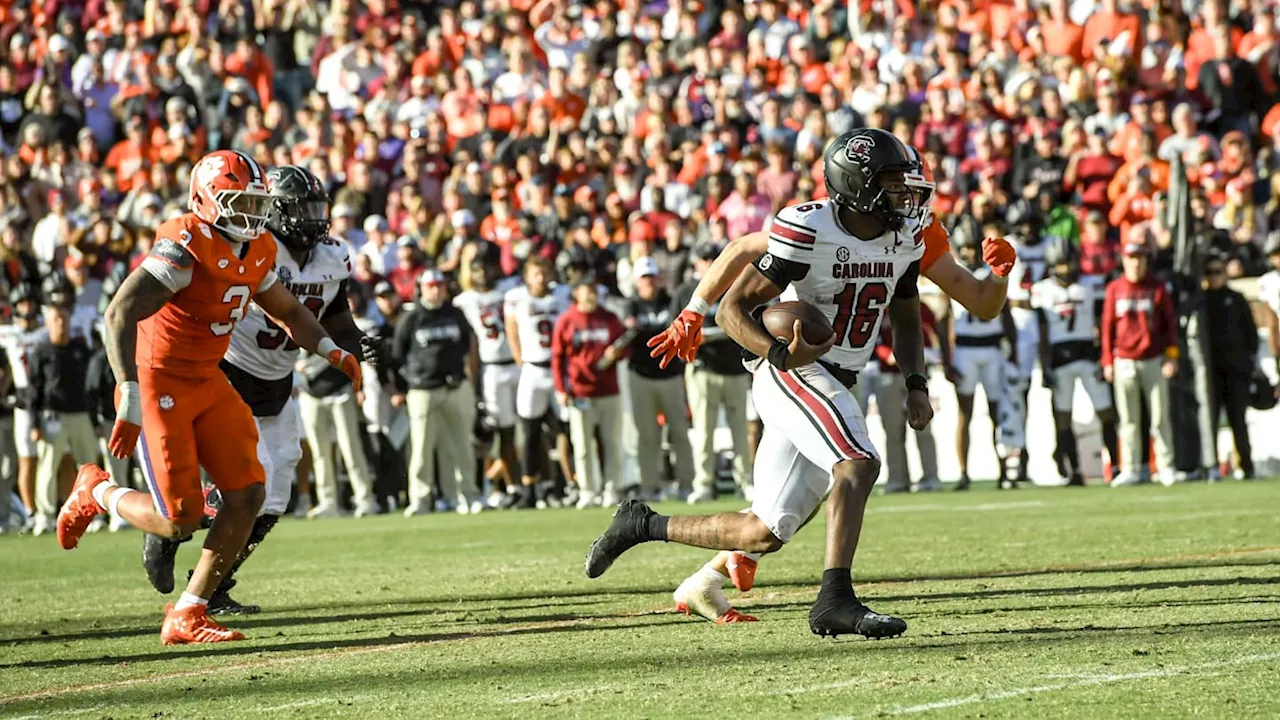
858	148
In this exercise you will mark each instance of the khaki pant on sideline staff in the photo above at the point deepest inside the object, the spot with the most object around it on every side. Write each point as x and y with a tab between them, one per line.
329	420
75	435
708	392
648	398
1133	380
442	421
891	399
589	419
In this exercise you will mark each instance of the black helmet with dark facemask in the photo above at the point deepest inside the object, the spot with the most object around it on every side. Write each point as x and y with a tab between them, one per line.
1061	254
855	165
299	211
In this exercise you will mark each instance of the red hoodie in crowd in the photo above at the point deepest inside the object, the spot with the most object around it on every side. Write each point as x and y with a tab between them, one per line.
1137	320
578	343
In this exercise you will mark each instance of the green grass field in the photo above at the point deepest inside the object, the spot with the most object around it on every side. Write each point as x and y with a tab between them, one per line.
1133	602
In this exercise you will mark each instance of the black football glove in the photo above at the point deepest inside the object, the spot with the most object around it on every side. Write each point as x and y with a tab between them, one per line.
374	350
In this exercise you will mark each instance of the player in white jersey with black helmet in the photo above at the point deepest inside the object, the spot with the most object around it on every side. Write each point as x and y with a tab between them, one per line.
855	257
530	313
17	340
483	304
1068	309
977	354
260	360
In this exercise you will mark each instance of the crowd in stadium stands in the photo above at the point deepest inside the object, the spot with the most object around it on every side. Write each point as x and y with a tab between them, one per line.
620	139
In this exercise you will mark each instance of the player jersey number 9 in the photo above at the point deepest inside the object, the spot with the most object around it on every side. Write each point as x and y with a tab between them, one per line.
545	329
237	296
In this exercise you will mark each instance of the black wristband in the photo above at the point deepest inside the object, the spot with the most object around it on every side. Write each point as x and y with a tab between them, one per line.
916	381
779	354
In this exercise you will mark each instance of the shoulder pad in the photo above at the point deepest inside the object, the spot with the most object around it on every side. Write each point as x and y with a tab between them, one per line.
169	251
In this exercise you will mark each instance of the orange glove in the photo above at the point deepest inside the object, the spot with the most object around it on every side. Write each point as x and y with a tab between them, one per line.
681	339
999	255
349	365
128	426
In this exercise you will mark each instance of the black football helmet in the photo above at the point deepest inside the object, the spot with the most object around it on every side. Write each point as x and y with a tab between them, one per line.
1062	261
299	211
859	166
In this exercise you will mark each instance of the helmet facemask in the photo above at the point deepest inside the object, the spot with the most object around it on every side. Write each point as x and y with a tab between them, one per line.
242	214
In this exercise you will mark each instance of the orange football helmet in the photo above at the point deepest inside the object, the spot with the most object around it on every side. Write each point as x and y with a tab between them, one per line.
229	191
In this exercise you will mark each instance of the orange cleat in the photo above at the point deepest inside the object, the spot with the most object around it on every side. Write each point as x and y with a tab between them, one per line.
193	625
742	571
733	616
80	508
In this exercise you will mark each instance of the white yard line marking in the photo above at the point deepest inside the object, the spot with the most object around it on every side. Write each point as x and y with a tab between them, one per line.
1086	681
559	694
58	713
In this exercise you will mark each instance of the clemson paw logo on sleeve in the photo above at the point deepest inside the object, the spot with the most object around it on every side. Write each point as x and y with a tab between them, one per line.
166	402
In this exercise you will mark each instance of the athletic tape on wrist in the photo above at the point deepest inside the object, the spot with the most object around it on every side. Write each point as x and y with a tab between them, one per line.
130	409
698	305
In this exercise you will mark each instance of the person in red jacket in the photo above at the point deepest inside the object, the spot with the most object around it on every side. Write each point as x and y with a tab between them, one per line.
585	347
1140	355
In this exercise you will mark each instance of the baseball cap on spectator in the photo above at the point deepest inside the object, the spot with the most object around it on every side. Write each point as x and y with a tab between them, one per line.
646	267
430	276
705	251
717	148
1134	249
342	210
57	43
406	241
375	223
562	190
95	35
462	218
383	289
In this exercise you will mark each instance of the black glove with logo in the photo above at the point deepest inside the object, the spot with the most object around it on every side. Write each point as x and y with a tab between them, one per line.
374	350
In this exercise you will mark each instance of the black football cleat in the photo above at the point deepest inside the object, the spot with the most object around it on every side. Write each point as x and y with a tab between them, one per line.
962	484
157	559
850	617
221	603
629	528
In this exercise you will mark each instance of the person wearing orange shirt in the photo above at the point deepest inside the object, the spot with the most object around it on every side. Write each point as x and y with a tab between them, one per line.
462	107
1200	45
1127	143
559	102
131	154
1157	170
1106	26
1134	206
503	229
250	63
1062	38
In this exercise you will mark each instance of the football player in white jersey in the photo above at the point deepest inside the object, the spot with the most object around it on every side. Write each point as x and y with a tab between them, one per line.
855	257
260	360
703	592
482	303
530	314
977	354
1269	294
17	340
1068	311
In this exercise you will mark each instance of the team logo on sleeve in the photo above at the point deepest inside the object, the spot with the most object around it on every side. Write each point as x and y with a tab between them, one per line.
166	402
766	261
174	254
286	275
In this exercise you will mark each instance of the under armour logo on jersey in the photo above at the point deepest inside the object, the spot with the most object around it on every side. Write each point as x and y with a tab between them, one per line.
858	149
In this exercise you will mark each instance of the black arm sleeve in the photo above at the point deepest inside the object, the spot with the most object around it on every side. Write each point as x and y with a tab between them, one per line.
779	271
337	304
909	284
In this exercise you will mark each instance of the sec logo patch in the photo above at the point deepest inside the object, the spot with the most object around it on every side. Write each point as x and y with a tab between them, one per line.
842	254
166	402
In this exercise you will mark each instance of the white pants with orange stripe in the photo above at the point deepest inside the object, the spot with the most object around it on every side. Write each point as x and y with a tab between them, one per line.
811	423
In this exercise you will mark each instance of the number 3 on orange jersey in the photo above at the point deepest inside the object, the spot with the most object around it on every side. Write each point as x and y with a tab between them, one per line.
239	296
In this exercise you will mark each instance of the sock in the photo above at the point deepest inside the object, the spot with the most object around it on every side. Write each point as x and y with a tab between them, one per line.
188	600
113	504
1112	441
711	577
100	492
1070	453
657	529
836	582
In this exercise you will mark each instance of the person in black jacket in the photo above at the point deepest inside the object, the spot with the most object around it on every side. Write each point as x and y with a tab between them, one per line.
716	379
440	362
655	390
59	409
100	394
1233	352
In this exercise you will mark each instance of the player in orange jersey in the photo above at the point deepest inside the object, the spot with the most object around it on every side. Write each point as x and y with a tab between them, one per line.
702	592
167	328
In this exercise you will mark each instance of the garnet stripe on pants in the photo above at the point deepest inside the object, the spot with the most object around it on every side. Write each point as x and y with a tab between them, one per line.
835	413
829	425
